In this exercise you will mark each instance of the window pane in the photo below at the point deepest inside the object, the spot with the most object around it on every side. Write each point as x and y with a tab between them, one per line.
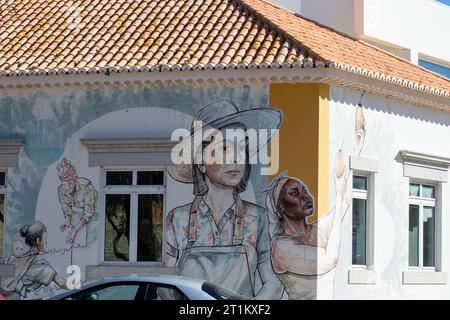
150	178
117	227
359	183
445	71
414	190
126	292
2	178
428	191
119	178
157	292
2	221
359	232
428	237
150	220
413	236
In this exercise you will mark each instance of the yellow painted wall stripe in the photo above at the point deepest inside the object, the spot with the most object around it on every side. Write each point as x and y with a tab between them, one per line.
304	136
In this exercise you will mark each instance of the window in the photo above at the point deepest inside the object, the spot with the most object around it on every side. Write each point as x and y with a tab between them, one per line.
157	291
134	205
2	209
360	220
220	293
133	291
422	226
443	70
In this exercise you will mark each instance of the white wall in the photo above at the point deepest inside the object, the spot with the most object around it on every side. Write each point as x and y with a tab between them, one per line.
293	5
338	14
391	126
420	26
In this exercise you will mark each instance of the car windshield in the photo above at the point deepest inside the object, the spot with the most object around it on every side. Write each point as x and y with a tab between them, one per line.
220	293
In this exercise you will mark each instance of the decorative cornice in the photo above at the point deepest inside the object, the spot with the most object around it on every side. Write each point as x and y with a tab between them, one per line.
129	145
425	160
10	146
9	152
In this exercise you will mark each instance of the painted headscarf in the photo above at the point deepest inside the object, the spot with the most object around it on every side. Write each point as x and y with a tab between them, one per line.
272	198
66	171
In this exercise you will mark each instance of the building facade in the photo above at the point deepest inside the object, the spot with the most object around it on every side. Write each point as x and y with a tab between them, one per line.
378	23
356	205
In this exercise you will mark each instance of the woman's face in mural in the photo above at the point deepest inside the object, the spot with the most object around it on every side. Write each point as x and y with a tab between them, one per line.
295	200
225	174
41	244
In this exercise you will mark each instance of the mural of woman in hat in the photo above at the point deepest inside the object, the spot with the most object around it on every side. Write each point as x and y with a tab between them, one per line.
78	200
219	237
305	255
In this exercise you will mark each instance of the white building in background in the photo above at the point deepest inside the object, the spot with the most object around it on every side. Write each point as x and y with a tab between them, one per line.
417	30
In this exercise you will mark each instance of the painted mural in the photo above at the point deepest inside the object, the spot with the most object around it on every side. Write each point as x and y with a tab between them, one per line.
78	199
225	223
31	270
304	255
53	194
220	237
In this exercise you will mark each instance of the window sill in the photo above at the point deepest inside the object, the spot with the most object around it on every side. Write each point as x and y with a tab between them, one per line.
418	277
104	270
6	270
361	276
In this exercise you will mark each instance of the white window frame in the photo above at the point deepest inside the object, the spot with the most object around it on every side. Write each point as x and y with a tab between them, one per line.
425	202
3	191
134	190
364	195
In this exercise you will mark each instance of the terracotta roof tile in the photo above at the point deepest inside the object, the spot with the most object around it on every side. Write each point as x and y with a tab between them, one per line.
58	36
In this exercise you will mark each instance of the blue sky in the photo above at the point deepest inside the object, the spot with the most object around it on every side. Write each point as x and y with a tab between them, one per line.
447	2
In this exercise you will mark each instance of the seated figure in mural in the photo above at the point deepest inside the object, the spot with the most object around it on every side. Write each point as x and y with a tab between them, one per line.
305	255
31	270
220	237
78	200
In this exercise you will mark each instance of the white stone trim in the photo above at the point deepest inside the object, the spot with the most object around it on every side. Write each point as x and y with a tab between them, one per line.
129	152
363	164
411	277
101	271
427	167
9	152
356	276
329	75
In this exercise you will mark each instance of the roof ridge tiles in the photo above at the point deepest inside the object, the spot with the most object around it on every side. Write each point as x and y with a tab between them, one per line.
159	35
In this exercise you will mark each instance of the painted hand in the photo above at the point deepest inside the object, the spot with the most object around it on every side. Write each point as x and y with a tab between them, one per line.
65	226
71	235
340	181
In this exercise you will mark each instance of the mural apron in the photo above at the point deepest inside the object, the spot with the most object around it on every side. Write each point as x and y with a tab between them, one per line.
225	265
77	214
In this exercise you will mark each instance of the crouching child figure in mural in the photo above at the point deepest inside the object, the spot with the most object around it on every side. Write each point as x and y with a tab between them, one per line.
31	270
219	237
78	200
305	255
